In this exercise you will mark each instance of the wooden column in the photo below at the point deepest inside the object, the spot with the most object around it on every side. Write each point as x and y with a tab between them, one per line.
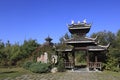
66	57
87	58
95	65
96	60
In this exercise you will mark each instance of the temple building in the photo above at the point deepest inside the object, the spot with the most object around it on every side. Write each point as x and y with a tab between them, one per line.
79	42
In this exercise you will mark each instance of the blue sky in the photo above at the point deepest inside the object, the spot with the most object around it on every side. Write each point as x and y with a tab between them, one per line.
36	19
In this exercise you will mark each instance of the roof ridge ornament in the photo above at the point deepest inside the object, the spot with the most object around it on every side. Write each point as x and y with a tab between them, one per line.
78	22
64	39
92	38
95	38
107	46
72	22
85	21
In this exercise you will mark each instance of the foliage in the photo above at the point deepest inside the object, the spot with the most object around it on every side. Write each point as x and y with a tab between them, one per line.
104	37
27	64
112	64
113	56
12	73
60	66
39	67
80	57
28	47
13	54
66	36
16	54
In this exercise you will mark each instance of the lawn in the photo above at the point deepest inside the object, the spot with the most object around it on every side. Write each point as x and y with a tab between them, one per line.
12	72
22	74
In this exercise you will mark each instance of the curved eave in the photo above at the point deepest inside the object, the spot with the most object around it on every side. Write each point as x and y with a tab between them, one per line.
96	50
81	30
106	47
80	42
79	27
92	38
66	50
80	24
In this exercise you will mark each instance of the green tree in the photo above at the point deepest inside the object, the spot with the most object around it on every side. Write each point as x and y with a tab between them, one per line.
27	50
104	37
7	52
66	36
2	54
15	54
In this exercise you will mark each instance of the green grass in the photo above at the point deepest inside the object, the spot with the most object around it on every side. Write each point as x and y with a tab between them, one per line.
111	73
12	72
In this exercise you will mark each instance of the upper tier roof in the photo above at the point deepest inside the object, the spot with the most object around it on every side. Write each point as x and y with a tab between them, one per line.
48	39
79	28
82	41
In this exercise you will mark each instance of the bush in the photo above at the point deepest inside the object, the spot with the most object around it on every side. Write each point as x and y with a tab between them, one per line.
112	64
115	69
61	67
27	64
39	67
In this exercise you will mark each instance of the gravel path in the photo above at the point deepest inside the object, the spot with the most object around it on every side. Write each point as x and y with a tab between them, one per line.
68	76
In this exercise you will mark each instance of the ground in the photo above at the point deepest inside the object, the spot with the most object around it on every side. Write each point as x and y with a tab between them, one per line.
21	74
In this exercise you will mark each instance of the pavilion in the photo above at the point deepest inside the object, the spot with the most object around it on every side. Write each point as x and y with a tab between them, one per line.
79	42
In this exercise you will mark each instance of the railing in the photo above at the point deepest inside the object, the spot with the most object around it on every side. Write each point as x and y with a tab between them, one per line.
95	65
68	64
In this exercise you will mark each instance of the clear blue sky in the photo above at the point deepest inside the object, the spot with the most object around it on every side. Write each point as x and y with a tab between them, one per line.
36	19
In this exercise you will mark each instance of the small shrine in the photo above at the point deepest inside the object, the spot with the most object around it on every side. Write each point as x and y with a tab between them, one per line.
48	42
44	56
80	42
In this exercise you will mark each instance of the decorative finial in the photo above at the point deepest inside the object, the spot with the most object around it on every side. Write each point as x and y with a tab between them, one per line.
84	21
64	38
95	37
108	45
72	22
78	22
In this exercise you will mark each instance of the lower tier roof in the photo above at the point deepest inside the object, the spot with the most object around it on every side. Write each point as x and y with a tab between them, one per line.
96	48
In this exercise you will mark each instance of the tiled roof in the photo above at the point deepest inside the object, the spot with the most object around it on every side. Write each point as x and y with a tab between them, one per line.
80	40
80	25
96	48
64	50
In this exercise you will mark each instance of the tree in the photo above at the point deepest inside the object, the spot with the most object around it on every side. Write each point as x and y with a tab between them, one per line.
2	55
66	36
105	37
15	54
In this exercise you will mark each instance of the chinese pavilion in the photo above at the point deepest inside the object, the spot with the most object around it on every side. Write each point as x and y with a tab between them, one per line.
79	42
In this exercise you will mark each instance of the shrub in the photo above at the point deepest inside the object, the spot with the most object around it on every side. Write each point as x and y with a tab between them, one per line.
61	67
39	67
27	64
112	64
